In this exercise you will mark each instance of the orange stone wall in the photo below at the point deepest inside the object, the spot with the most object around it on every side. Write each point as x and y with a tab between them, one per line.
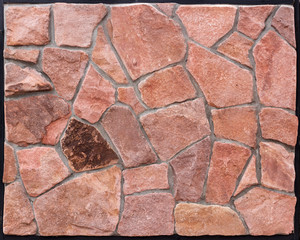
149	119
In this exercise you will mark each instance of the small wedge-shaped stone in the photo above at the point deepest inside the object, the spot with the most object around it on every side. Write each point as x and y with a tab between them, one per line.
25	55
87	205
26	119
128	96
227	163
174	128
252	19
95	96
237	123
18	218
126	134
147	215
222	82
74	23
207	24
106	59
196	220
275	71
190	169
145	39
267	212
167	8
278	124
140	179
65	68
167	86
20	81
85	148
10	167
27	25
41	168
277	167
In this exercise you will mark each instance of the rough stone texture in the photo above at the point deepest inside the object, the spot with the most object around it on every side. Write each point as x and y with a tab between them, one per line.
145	178
27	25
174	128
277	167
252	19
74	23
223	83
19	80
91	201
18	218
275	71
237	48
190	169
85	148
145	39
41	168
26	119
95	96
126	134
283	22
65	68
10	167
127	96
25	55
106	59
167	8
278	124
207	24
227	163
196	220
167	86
238	123
147	215
249	178
267	212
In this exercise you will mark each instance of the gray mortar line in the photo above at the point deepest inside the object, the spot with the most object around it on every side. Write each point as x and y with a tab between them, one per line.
122	203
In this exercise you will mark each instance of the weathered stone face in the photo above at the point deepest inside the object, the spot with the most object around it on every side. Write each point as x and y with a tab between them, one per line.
10	167
127	95
26	55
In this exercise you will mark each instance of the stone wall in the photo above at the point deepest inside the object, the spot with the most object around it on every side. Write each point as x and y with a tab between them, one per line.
143	120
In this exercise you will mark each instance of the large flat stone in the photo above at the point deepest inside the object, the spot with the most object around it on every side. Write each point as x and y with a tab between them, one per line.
10	168
25	55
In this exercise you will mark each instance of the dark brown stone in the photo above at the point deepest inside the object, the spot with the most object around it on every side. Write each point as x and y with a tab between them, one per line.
85	148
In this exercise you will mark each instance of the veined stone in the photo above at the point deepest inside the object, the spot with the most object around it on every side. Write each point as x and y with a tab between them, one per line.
25	55
128	96
10	167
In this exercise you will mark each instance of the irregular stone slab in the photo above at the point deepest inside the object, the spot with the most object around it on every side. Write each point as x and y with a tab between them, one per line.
237	123
128	96
65	68
283	22
27	25
85	148
190	169
237	48
276	82
278	124
277	167
19	80
222	82
207	24
106	59
74	23
145	178
126	134
167	86
252	19
196	219
147	215
10	167
167	8
249	178
227	163
41	168
256	207
26	119
87	205
145	39
174	128
18	218
25	55
95	96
